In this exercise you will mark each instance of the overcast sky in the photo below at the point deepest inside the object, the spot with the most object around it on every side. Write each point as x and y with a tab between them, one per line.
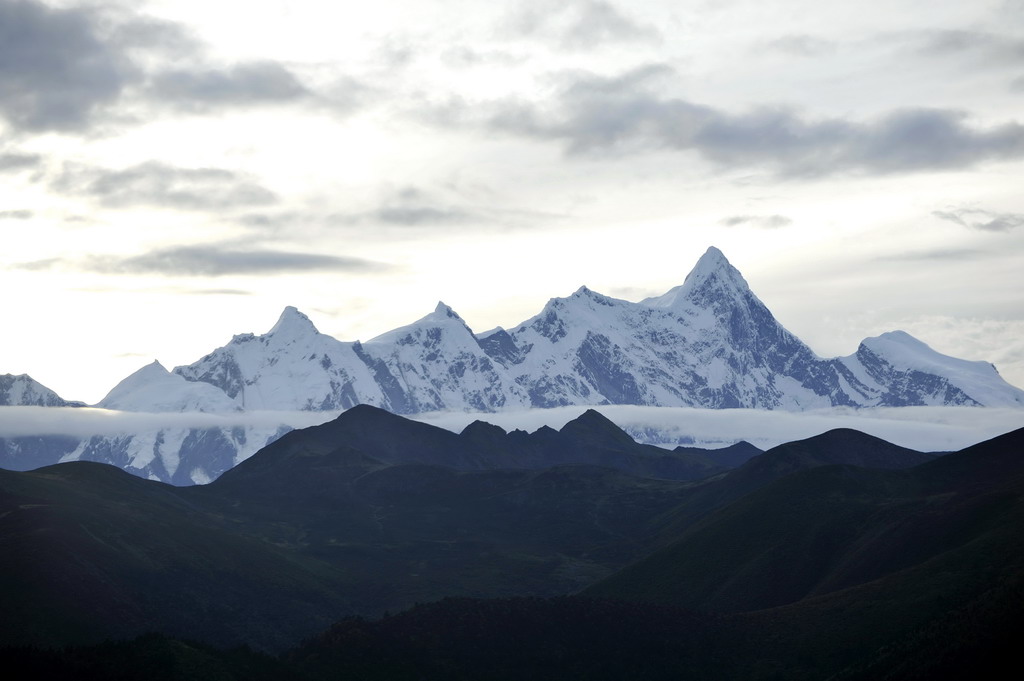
175	172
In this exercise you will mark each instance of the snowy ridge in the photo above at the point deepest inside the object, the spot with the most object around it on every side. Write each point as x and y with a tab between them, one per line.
180	456
709	342
896	364
291	367
24	391
436	362
154	389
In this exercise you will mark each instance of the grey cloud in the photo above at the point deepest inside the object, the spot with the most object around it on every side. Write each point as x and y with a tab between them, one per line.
395	52
244	84
599	22
218	292
150	35
39	265
345	95
937	254
990	47
158	184
219	261
408	207
801	45
13	162
975	218
1017	84
468	57
66	69
579	25
271	221
173	290
762	221
418	215
16	214
56	72
211	260
412	207
627	114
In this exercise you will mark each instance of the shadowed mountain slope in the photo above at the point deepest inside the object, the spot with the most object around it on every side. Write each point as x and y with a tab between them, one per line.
313	528
319	525
825	569
832	527
589	439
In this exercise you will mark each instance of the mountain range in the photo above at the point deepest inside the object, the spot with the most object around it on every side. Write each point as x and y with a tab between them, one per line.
841	554
709	342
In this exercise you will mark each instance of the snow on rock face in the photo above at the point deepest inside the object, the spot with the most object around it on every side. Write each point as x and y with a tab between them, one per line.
154	389
721	351
709	342
23	391
292	367
713	279
179	456
442	365
903	371
292	325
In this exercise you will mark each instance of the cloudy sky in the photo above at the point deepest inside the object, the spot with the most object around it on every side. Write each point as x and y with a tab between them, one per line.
175	172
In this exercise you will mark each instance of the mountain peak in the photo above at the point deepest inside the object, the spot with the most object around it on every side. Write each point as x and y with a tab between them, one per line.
713	272
154	368
444	311
154	389
714	266
443	316
594	427
22	390
292	323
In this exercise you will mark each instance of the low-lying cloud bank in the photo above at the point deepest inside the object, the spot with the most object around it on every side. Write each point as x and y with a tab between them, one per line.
86	422
922	428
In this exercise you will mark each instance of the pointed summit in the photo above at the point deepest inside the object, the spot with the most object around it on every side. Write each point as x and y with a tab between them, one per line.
22	391
713	277
592	427
712	262
443	311
443	316
154	389
292	324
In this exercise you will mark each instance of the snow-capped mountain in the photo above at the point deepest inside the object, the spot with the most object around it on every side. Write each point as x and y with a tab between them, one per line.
176	455
291	367
24	391
709	342
154	389
180	456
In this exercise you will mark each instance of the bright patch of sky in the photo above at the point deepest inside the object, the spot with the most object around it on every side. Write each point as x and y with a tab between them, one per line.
173	173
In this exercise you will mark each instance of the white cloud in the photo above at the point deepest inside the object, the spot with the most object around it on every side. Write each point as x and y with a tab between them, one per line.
86	422
921	428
